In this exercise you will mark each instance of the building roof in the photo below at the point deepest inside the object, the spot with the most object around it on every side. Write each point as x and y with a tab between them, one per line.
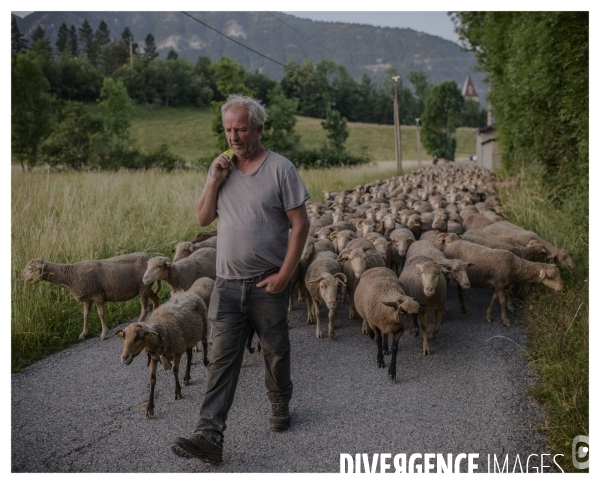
468	89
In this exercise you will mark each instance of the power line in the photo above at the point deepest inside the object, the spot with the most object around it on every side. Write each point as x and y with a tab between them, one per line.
239	43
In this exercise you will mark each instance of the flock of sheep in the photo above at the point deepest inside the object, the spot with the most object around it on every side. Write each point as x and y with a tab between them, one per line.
391	246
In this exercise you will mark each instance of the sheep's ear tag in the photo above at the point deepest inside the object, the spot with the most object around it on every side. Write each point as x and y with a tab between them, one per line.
192	249
119	334
168	265
151	333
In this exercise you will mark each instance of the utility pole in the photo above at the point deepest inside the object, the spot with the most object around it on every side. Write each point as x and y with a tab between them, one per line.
418	140
489	110
397	127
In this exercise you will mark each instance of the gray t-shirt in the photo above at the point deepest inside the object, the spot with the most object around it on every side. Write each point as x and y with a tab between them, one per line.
252	226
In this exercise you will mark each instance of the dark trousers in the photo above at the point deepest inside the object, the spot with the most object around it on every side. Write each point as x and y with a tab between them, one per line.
235	305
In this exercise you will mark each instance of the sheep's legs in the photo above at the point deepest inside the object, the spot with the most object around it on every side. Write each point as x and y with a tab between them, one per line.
438	323
424	319
488	312
86	313
100	308
188	366
502	297
380	361
331	326
392	368
150	407
386	347
509	304
155	299
309	314
176	361
145	307
462	299
315	305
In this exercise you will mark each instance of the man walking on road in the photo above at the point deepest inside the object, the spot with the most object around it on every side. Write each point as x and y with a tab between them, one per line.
258	197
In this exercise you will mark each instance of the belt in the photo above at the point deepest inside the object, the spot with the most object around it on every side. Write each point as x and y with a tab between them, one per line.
261	276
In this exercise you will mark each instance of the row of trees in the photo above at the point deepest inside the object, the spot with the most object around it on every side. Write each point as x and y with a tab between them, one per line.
77	69
538	67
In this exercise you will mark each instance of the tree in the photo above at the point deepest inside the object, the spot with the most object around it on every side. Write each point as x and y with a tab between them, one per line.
473	115
279	133
18	42
101	41
71	140
440	119
62	42
40	34
127	37
150	48
307	85
116	108
418	79
538	67
30	108
88	46
73	43
172	55
336	127
102	35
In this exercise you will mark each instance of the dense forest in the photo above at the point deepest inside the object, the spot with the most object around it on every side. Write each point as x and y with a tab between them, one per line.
88	65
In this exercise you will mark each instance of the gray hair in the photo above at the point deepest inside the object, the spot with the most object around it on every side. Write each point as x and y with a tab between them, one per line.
256	111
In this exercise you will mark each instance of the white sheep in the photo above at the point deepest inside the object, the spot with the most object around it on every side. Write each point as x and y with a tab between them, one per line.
172	329
354	263
116	279
500	269
185	249
323	278
182	274
424	281
381	301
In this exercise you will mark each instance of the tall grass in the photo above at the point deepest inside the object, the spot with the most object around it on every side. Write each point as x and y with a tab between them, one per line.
68	217
558	324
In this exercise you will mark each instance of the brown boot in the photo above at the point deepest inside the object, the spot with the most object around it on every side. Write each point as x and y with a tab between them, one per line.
280	417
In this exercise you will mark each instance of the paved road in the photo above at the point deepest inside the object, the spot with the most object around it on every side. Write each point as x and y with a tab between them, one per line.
79	410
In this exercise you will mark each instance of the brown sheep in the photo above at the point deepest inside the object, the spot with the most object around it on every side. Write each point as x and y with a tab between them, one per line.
382	302
116	279
172	329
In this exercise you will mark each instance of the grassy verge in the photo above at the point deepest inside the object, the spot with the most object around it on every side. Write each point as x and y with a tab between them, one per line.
558	324
68	217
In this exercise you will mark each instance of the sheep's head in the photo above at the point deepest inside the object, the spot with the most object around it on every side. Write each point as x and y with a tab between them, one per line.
33	272
549	276
405	309
329	286
136	337
158	268
565	260
309	248
458	272
183	250
402	243
430	274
